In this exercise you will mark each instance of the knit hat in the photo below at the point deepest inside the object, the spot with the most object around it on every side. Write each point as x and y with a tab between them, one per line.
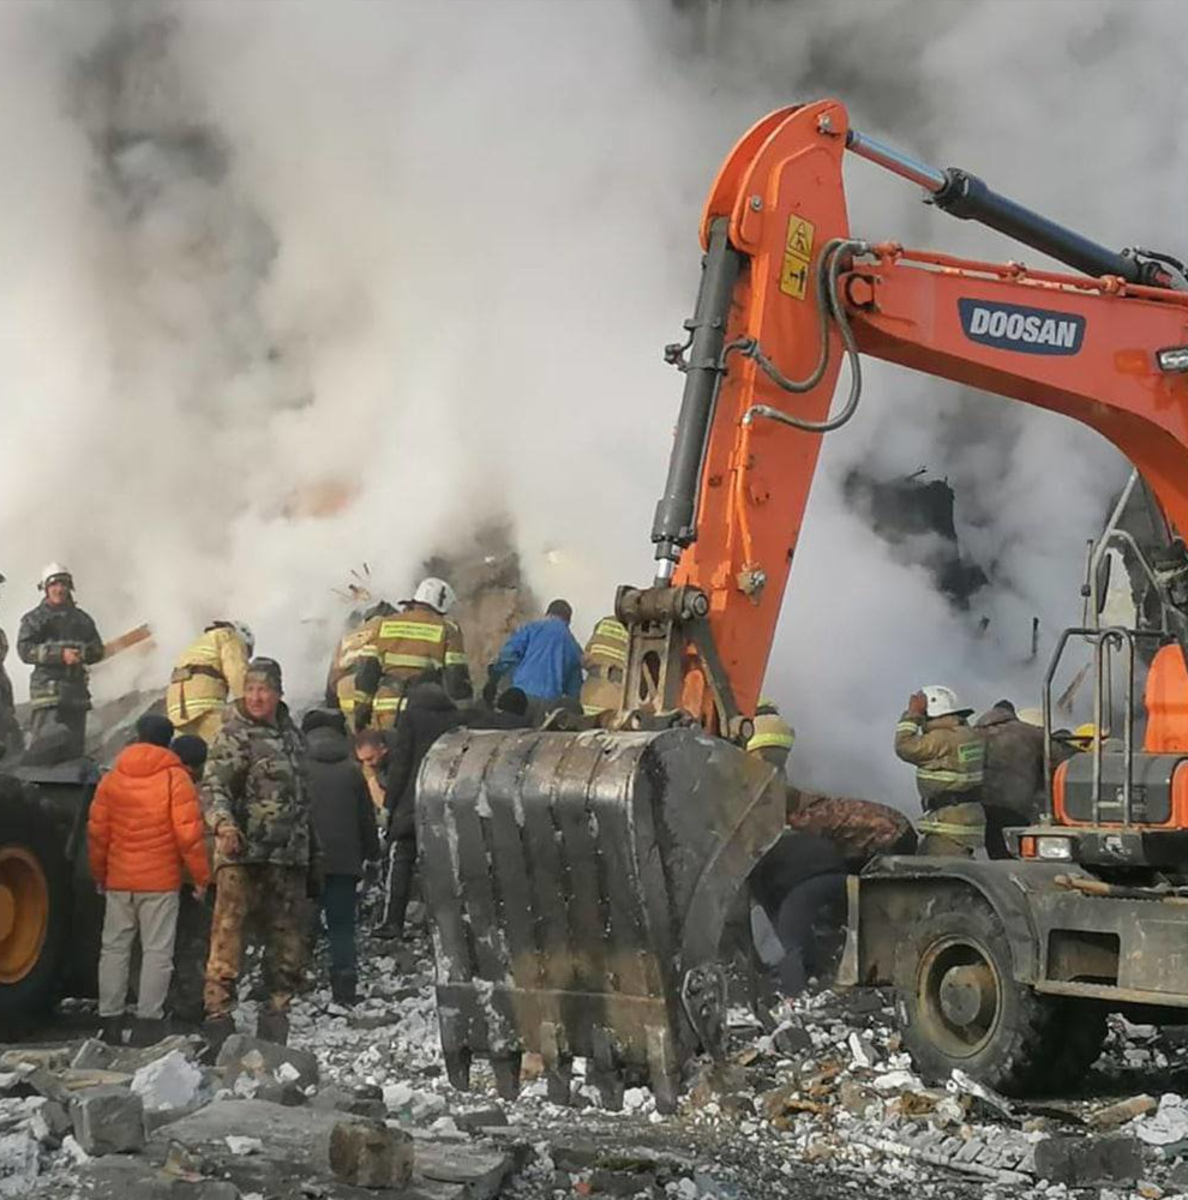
154	729
323	718
191	749
265	670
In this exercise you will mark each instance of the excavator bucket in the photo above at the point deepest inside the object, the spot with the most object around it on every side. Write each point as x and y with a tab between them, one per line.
577	887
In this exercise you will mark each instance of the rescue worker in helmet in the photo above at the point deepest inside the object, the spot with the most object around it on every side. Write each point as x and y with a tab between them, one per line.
412	645
773	738
933	734
208	676
357	644
605	663
59	640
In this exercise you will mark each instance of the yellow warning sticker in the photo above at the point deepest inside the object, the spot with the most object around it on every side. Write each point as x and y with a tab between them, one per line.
798	250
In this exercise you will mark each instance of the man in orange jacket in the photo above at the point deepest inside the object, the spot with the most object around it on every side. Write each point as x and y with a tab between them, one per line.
145	824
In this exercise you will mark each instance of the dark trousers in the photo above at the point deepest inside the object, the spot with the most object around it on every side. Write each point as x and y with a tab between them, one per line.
402	862
338	907
808	925
72	718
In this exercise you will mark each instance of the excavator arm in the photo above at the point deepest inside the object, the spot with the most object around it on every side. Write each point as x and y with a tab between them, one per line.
786	295
579	881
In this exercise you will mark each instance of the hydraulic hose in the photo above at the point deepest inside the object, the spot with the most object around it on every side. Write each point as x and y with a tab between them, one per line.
829	304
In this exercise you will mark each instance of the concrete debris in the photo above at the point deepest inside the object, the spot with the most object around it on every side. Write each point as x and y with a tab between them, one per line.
1081	1162
240	1146
370	1155
19	1163
51	1122
1168	1124
255	1058
109	1120
168	1083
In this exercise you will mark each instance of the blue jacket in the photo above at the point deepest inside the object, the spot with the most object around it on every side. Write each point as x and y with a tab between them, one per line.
546	659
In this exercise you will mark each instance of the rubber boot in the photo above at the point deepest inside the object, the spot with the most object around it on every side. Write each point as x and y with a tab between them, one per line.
148	1031
273	1027
343	987
216	1030
111	1031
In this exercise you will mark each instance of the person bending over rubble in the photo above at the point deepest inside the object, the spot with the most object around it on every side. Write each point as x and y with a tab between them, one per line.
428	714
934	735
255	796
144	824
800	883
544	660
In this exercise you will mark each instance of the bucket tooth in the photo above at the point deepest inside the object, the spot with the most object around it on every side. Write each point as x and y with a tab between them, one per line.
607	1071
507	1074
554	1049
457	1064
664	1068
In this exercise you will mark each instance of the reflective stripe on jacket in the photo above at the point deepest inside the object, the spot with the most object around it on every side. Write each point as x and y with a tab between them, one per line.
948	756
207	675
407	645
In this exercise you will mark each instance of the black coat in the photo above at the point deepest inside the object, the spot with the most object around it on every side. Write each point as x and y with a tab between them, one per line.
340	805
428	714
793	858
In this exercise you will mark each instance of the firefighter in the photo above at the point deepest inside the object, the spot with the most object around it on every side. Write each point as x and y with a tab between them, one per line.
605	662
412	645
59	640
933	735
358	643
207	677
773	737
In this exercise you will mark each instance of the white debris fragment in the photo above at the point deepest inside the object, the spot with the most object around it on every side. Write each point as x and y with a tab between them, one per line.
73	1150
243	1145
1168	1124
287	1073
862	1051
167	1083
19	1163
896	1081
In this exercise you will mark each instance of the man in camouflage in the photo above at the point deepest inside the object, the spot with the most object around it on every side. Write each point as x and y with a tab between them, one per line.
860	829
933	735
59	641
255	799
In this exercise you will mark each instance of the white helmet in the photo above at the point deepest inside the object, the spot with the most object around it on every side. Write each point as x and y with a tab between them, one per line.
436	593
53	572
245	632
943	702
1031	716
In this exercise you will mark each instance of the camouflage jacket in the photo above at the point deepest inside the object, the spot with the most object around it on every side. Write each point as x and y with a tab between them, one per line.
256	778
859	829
45	632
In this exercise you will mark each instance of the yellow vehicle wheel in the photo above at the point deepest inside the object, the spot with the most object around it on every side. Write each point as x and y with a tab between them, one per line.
35	904
24	912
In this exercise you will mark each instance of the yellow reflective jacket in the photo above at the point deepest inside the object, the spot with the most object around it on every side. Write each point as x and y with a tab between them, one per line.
408	644
208	675
605	663
353	650
948	755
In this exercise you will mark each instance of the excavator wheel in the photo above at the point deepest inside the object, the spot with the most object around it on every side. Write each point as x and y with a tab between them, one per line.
577	886
961	1007
34	905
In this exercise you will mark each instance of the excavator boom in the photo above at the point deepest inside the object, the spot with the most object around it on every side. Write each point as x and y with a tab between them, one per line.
578	882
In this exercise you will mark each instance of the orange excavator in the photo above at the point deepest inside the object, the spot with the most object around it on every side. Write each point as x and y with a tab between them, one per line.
578	880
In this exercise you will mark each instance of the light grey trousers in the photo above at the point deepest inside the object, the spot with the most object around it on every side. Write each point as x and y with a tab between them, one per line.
154	916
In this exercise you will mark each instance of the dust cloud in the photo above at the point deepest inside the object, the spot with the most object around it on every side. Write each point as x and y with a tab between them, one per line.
290	286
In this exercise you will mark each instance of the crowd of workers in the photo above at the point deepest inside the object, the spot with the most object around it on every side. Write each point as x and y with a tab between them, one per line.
226	789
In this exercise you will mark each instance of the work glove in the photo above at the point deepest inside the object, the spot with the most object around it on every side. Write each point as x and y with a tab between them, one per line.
918	705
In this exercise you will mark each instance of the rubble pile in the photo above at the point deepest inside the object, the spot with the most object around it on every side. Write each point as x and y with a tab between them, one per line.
825	1103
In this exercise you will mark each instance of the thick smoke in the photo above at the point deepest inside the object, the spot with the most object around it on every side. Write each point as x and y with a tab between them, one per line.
290	286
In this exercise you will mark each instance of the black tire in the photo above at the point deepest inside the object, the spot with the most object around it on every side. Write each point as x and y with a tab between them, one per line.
960	1007
31	843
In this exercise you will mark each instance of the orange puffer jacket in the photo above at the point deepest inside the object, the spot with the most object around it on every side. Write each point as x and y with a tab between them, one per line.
145	822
